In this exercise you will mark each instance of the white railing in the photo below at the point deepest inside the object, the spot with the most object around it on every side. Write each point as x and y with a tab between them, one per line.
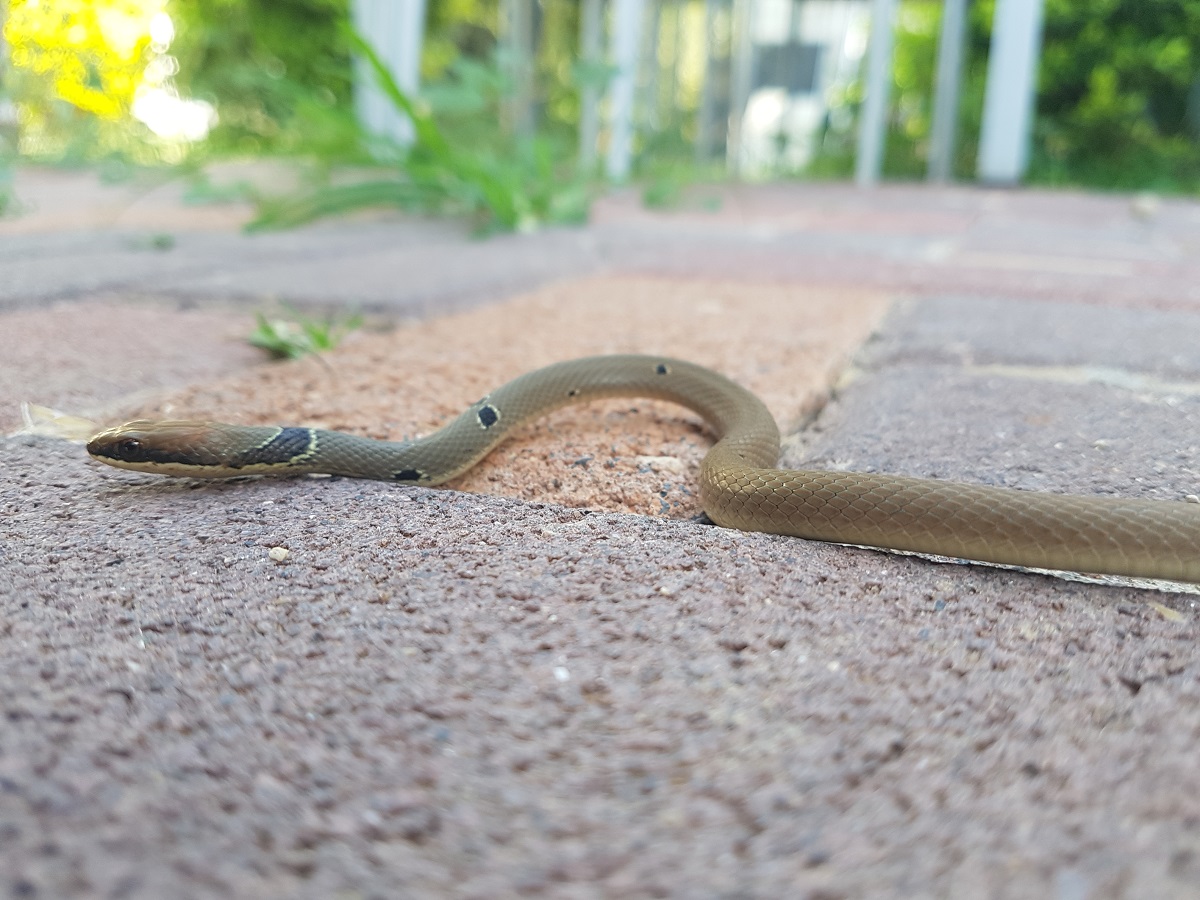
627	34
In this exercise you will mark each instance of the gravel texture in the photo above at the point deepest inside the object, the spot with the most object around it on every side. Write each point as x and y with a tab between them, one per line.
438	692
552	681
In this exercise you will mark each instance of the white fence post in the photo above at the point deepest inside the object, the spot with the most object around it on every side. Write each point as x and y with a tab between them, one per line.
517	37
741	71
626	40
395	29
1011	88
946	91
705	116
872	126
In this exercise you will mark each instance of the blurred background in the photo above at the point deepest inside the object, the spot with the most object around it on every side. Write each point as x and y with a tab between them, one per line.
515	112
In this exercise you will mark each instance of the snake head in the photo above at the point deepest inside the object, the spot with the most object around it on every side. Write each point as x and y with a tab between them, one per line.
165	448
201	449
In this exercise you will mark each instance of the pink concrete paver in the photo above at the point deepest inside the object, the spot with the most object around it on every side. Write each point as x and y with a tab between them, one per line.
446	693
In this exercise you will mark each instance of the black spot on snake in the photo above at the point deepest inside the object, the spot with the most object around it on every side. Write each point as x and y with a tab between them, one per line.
662	369
573	392
488	416
408	475
284	447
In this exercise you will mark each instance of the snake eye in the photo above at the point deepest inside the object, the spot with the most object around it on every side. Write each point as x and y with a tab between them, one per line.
129	448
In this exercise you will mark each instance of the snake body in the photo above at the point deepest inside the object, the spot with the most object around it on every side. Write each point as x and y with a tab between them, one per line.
739	484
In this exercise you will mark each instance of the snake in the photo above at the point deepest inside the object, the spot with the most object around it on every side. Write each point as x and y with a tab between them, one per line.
740	485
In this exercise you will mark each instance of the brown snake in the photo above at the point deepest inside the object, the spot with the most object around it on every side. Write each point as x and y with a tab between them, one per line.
739	486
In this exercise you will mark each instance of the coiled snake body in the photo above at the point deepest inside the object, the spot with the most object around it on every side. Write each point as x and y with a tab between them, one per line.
739	486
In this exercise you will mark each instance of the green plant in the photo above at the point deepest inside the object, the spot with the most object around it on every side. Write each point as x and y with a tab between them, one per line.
1117	99
300	336
502	183
278	72
8	200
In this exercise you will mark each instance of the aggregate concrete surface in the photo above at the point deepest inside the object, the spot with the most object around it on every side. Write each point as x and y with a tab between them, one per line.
454	693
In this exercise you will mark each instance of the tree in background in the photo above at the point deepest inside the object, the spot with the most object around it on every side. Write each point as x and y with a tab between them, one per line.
1118	98
1119	94
75	71
278	71
455	29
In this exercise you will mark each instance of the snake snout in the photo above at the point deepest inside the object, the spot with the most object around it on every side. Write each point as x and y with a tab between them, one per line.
148	445
124	449
122	445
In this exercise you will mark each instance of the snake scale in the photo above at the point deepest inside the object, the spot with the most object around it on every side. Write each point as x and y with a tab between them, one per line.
739	484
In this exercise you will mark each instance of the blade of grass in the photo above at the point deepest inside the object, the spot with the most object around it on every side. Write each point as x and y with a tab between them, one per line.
286	212
427	132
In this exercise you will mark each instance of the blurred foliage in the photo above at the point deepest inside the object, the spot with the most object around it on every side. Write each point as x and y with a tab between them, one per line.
1118	99
456	29
459	161
917	26
74	70
278	71
279	95
95	55
9	135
